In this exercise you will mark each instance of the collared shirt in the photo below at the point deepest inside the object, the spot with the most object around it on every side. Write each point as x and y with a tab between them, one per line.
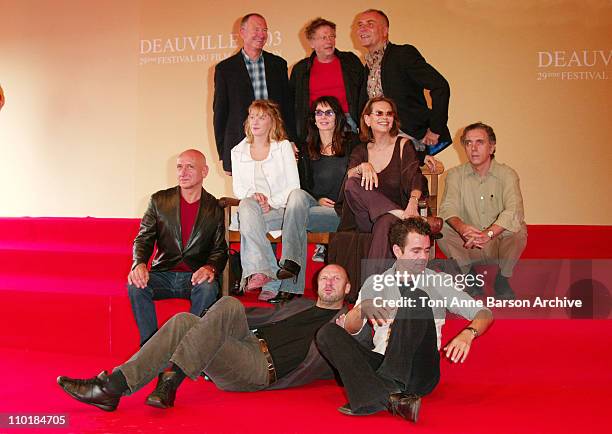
438	288
257	71
374	63
482	201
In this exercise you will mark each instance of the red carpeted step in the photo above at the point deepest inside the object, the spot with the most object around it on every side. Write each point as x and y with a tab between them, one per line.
58	262
71	231
72	315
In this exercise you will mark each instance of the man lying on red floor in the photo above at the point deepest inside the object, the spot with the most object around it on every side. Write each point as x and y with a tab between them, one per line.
279	353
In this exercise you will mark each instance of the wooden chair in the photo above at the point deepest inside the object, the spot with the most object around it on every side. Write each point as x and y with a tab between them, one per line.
430	204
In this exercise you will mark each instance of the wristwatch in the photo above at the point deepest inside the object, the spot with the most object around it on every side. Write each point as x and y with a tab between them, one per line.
473	330
490	234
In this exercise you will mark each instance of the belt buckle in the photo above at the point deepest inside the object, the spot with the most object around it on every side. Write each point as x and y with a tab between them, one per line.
263	346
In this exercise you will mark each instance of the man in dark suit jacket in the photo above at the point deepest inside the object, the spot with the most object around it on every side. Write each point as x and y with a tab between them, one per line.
280	353
187	226
246	76
400	72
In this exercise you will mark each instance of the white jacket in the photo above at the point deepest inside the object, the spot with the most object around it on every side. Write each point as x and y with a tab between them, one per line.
279	168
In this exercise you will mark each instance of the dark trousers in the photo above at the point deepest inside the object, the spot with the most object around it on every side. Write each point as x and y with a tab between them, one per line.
411	363
371	209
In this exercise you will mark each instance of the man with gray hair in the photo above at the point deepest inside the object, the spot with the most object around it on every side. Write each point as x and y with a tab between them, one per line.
250	74
482	207
401	73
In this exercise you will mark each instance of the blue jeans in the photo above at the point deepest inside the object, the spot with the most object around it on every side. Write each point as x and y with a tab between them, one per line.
301	213
163	285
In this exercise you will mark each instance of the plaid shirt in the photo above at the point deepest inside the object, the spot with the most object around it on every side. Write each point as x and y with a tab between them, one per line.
257	72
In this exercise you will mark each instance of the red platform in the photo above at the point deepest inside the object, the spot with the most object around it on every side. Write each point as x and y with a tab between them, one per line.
65	311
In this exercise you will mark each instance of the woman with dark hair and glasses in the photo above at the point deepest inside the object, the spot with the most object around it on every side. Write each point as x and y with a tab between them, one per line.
324	163
384	181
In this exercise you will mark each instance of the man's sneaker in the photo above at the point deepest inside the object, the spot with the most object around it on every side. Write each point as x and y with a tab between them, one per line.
319	253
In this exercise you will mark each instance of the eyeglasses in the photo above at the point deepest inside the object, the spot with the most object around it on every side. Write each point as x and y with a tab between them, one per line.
326	38
321	113
380	113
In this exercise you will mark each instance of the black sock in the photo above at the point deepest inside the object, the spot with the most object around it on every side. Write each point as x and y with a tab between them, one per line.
117	384
180	375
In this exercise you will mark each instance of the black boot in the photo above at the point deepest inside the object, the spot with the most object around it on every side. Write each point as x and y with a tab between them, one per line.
404	406
165	392
503	290
289	270
92	391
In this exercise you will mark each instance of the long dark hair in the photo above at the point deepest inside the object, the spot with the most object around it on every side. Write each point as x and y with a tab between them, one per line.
339	139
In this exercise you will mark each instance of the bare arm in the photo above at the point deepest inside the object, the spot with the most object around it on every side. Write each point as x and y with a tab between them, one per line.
458	348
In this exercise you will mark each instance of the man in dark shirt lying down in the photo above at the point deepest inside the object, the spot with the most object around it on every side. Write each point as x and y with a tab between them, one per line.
256	349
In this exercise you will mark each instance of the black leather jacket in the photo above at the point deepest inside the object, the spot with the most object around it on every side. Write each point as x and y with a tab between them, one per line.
161	224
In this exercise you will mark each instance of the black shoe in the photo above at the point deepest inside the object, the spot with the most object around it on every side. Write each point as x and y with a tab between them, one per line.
405	406
367	411
165	392
503	290
289	270
283	296
91	391
474	289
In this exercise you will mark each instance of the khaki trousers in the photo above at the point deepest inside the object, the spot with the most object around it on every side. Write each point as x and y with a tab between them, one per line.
504	250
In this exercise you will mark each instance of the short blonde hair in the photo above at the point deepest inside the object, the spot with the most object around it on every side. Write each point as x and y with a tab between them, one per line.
277	131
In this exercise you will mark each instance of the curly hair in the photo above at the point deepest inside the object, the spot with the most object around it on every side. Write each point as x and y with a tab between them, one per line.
400	229
312	27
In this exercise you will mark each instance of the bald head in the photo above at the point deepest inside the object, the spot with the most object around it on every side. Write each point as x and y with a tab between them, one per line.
195	154
332	286
191	169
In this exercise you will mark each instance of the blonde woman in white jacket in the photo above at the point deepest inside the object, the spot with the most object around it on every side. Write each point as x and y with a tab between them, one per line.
265	179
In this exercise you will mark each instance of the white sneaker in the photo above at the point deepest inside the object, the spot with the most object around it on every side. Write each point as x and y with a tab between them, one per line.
319	253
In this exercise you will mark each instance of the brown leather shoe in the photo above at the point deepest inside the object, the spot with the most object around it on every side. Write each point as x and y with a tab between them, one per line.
405	406
91	391
165	392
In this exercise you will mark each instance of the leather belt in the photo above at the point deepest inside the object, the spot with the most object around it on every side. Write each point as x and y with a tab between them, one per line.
263	346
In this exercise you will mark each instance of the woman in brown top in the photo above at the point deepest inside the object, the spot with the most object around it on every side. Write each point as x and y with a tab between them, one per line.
384	179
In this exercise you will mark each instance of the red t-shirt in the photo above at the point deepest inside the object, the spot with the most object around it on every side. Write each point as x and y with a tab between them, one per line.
326	80
189	213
